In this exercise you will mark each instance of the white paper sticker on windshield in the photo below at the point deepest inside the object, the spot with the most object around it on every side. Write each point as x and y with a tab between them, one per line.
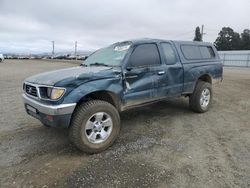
122	48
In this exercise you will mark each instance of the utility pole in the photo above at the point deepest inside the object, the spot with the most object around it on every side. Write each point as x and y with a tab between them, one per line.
53	49
76	50
202	32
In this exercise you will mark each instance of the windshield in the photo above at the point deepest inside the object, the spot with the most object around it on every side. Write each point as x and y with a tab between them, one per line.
109	56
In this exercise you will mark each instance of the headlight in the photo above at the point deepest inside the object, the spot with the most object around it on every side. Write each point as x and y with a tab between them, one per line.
51	93
56	93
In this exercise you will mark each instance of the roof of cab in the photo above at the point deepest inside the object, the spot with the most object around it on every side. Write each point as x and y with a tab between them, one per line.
148	40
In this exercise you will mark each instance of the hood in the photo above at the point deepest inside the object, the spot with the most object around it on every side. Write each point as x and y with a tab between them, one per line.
68	75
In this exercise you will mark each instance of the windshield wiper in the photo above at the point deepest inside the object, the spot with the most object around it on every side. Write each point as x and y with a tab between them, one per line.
84	65
99	64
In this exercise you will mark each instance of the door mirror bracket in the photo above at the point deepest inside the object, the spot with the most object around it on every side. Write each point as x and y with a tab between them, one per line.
129	68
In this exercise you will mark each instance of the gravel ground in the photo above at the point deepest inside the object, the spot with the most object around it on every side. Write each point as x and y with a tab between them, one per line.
160	145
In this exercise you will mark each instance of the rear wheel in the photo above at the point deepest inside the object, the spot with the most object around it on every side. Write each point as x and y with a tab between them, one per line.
95	126
201	98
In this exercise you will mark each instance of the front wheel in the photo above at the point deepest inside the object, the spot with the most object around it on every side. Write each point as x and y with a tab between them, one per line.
201	98
95	126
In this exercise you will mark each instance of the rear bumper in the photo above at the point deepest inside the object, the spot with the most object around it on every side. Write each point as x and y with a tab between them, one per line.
52	115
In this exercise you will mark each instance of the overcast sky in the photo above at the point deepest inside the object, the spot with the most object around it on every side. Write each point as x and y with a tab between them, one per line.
29	26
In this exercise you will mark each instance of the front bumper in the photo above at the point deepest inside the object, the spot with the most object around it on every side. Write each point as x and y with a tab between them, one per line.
52	115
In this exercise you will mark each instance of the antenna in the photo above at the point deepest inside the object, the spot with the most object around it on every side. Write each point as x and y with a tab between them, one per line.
202	32
53	49
76	50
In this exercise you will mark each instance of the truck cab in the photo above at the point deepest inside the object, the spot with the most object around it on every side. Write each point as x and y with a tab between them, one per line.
88	99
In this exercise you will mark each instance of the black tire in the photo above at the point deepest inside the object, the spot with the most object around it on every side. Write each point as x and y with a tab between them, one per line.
194	99
83	112
1	60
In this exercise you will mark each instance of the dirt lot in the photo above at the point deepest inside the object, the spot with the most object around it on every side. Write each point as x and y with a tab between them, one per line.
161	145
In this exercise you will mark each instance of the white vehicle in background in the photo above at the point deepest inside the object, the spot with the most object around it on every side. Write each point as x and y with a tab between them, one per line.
1	58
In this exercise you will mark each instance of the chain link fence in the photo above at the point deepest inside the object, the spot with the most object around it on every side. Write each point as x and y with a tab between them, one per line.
235	58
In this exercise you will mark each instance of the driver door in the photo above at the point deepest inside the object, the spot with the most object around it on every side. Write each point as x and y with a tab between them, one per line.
139	77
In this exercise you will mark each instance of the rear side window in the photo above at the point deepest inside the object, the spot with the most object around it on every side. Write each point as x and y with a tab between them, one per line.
145	55
169	53
192	52
207	52
211	51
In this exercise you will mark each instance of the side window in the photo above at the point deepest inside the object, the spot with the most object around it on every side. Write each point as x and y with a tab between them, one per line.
169	53
207	52
204	52
144	55
191	52
211	52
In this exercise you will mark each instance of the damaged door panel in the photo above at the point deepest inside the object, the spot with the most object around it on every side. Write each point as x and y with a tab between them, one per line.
138	86
140	75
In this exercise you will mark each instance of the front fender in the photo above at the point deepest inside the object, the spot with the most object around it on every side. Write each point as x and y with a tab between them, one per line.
113	85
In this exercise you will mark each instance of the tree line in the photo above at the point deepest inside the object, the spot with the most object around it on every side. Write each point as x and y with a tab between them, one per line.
228	39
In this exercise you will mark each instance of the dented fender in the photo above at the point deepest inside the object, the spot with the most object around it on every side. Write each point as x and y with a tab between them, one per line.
112	84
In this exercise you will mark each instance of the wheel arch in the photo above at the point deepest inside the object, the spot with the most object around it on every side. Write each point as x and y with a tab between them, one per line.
205	78
104	95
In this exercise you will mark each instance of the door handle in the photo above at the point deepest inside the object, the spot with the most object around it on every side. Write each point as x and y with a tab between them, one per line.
161	72
132	76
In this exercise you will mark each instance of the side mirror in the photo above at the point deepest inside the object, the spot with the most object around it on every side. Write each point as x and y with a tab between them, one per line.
129	68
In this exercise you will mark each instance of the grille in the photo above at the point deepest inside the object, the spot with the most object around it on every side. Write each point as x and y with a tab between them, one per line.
31	90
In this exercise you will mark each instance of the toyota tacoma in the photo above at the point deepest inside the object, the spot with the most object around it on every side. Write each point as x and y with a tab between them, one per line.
88	98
